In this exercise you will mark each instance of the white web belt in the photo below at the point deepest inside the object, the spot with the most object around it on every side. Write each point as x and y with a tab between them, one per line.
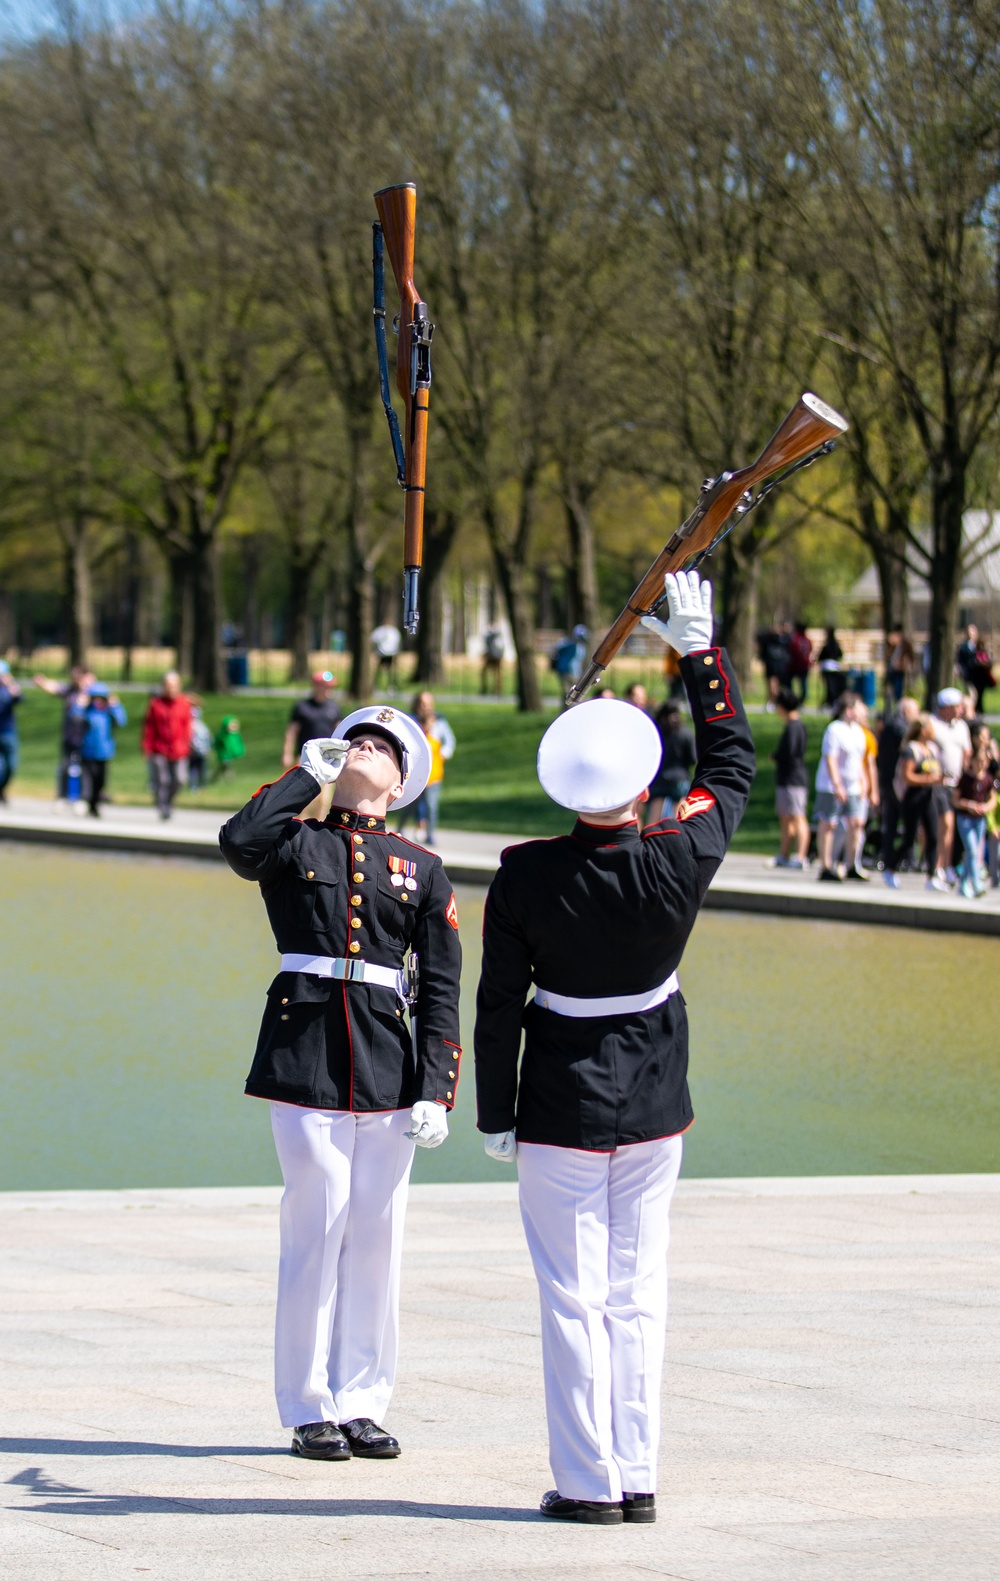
615	1005
345	970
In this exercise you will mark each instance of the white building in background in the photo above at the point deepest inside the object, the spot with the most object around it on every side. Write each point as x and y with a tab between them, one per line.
466	616
979	600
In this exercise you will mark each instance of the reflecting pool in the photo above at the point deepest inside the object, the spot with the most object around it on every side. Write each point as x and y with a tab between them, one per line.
131	990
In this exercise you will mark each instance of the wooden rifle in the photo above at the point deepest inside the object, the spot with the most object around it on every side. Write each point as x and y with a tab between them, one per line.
397	212
810	430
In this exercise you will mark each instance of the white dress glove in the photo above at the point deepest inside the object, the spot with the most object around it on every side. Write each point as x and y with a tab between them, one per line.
502	1146
428	1124
324	758
689	600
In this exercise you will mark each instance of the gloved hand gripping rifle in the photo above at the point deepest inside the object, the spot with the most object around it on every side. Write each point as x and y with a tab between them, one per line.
810	430
397	212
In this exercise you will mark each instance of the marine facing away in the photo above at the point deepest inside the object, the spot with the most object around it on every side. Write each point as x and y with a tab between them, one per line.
595	1107
352	1089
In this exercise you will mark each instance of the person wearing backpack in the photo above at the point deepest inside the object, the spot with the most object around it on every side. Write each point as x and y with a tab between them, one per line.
568	658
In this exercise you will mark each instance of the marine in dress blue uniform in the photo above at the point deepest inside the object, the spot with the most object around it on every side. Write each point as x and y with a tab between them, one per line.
594	1108
352	1087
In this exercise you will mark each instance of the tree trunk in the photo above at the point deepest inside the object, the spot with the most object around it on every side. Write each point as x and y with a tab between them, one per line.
740	579
299	581
130	602
513	581
440	529
512	576
182	612
893	590
79	590
947	511
360	565
582	568
206	661
361	622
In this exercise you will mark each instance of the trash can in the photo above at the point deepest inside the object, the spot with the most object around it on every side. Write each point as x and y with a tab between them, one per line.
237	670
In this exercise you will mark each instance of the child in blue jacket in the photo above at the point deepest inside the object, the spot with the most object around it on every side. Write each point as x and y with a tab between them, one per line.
102	715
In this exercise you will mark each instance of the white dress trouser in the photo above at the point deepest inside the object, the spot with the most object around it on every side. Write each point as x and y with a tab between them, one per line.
337	1327
598	1228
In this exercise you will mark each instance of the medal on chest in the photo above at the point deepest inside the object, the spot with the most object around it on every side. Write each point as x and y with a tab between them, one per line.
402	876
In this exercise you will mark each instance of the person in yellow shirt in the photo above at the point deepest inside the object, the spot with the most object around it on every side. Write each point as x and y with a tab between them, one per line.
441	739
869	779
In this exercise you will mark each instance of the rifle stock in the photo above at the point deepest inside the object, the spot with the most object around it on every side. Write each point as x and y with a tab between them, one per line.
810	427
397	212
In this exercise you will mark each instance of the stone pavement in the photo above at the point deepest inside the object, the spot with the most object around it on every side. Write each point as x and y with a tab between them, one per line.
831	1394
744	883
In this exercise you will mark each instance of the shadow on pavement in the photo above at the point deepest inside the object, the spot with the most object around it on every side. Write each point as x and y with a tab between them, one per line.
94	1446
59	1498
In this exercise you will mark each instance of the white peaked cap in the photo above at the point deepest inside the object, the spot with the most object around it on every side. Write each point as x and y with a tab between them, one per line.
404	729
599	755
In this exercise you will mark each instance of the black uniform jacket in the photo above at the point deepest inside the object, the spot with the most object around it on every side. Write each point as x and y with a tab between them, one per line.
601	912
328	891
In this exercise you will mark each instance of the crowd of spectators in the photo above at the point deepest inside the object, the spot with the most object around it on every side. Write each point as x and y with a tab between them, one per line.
923	790
918	792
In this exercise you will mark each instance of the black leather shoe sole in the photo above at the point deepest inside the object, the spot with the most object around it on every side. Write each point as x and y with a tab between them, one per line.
322	1451
586	1514
362	1452
638	1515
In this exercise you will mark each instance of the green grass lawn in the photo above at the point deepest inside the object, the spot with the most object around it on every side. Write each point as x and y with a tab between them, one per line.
490	783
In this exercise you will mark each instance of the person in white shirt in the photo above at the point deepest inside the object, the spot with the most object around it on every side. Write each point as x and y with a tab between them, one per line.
954	744
841	787
386	641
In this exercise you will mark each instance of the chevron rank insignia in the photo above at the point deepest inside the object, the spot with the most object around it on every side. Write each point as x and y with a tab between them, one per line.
694	802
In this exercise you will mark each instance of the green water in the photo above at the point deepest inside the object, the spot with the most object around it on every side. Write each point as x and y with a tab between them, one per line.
131	989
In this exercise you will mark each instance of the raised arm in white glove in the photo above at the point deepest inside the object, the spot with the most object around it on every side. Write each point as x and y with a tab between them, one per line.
324	758
501	1145
428	1124
689	600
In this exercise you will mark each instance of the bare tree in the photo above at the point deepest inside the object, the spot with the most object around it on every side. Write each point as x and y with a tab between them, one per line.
127	174
503	158
697	92
899	97
320	108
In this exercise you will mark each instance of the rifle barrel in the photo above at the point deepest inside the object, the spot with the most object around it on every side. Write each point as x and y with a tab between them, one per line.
809	426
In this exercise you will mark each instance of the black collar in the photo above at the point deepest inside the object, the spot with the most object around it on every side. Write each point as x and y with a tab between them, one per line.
606	834
346	818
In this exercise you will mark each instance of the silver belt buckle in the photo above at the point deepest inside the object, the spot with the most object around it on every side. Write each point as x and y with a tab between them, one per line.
348	971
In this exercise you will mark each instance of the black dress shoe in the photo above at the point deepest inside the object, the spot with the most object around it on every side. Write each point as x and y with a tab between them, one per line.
320	1441
639	1508
589	1511
369	1441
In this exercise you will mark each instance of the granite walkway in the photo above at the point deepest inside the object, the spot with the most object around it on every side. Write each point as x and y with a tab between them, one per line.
744	883
831	1392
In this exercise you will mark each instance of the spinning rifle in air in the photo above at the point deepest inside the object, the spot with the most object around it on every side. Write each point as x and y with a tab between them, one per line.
396	231
810	430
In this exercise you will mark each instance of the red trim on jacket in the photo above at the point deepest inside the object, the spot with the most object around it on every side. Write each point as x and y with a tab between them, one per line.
415	843
350	1050
730	711
269	783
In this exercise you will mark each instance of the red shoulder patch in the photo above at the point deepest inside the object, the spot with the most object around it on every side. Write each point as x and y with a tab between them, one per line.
452	912
694	802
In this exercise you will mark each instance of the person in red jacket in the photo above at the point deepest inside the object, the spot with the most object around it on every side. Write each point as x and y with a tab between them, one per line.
166	741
